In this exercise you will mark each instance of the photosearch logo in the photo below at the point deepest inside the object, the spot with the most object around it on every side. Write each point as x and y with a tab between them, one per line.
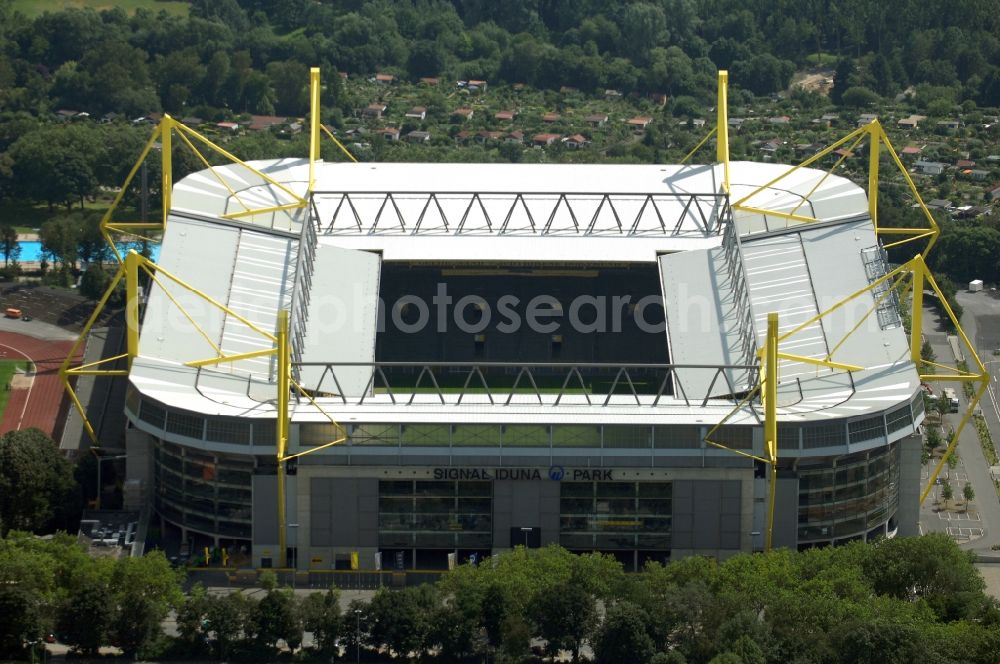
556	473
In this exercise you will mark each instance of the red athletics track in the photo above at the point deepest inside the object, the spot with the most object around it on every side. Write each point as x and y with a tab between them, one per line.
45	403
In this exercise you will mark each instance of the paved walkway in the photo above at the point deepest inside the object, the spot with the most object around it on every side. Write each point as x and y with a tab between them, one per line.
43	403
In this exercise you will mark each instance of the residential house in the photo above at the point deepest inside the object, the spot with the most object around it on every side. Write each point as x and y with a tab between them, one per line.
109	117
504	116
829	117
551	117
374	110
262	122
736	123
231	127
771	146
544	139
430	80
867	118
463	113
930	167
568	90
939	203
190	121
965	163
659	98
779	120
390	134
977	174
483	136
843	152
910	152
951	125
612	94
464	136
417	113
64	114
994	193
384	79
911	122
597	119
639	122
576	141
418	137
477	85
342	75
515	136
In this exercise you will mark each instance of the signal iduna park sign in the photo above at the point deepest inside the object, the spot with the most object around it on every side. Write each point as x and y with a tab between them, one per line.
555	473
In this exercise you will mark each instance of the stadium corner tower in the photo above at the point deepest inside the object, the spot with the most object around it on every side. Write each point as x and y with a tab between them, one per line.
521	355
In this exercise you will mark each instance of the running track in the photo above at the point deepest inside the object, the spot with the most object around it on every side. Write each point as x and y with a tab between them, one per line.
45	404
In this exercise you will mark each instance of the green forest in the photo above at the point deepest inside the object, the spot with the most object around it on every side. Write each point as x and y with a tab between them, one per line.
79	88
896	601
251	55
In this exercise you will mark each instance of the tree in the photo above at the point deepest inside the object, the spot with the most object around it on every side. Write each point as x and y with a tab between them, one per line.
623	637
36	481
227	618
859	97
84	620
277	620
321	615
947	492
968	493
9	245
94	282
401	620
145	590
566	615
841	80
21	619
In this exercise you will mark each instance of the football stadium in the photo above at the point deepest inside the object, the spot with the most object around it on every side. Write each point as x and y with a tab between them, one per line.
415	364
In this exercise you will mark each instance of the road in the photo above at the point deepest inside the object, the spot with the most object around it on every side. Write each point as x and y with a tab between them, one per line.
978	528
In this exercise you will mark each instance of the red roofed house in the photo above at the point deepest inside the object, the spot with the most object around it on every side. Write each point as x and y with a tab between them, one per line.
576	141
965	163
658	98
505	115
515	137
910	151
390	133
597	119
639	121
477	85
551	117
464	113
228	126
429	80
545	139
261	122
384	78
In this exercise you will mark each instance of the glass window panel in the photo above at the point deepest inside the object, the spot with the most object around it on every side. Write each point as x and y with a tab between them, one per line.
375	434
655	489
525	435
737	437
576	489
264	432
681	437
228	430
576	436
433	488
475	489
475	435
870	428
615	489
425	435
616	436
183	424
823	435
898	419
395	487
152	413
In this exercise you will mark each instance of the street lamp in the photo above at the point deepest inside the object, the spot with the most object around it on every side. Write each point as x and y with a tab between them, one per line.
100	460
357	635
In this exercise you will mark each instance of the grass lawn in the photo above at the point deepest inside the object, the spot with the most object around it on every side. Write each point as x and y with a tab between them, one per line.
32	8
7	368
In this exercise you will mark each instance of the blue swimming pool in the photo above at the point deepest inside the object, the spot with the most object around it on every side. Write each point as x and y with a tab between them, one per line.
31	250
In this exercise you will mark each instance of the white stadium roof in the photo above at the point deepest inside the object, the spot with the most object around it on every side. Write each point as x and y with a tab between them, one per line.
526	213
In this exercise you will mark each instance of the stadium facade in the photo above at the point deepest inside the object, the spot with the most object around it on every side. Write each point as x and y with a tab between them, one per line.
521	355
